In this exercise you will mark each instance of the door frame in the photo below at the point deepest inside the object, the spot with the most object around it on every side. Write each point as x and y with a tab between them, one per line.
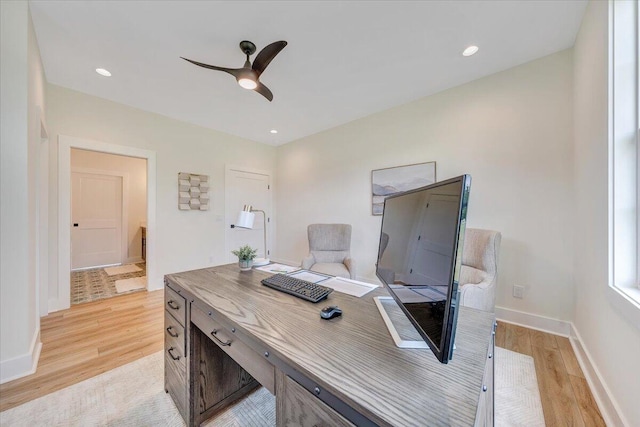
42	220
228	221
124	220
62	299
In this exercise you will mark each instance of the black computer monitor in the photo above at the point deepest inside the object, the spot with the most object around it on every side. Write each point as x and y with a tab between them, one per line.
419	257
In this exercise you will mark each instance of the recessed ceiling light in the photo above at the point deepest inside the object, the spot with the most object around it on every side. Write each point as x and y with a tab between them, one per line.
273	131
470	50
103	72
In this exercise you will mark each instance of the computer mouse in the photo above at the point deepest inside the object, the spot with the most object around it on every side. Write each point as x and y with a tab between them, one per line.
330	312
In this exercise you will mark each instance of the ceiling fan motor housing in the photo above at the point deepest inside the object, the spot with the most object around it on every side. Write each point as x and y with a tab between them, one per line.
248	47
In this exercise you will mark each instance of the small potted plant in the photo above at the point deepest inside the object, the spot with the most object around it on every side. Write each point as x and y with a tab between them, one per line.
245	255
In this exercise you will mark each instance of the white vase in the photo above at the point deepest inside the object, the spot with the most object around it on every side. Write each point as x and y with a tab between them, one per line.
245	264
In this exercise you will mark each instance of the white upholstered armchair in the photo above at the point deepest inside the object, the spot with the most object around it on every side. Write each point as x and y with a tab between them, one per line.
479	272
329	250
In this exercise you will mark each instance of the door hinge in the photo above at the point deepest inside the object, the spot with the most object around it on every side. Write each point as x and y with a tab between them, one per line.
268	252
268	187
268	219
419	237
411	271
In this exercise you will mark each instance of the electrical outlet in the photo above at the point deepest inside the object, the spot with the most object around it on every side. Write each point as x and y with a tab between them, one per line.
518	291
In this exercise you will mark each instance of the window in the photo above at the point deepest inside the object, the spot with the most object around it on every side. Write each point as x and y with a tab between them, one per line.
624	118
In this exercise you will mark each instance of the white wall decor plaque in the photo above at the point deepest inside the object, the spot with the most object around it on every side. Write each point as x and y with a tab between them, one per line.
193	192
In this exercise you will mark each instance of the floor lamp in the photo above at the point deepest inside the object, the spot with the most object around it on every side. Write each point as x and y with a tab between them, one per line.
246	219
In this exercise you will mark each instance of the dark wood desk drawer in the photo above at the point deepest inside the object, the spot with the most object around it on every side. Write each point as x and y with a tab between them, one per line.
296	407
175	379
174	337
175	304
252	362
484	415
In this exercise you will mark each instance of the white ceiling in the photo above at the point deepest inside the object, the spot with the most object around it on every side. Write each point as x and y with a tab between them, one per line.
345	60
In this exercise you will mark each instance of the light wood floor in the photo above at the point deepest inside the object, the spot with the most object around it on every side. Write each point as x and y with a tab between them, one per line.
89	339
566	397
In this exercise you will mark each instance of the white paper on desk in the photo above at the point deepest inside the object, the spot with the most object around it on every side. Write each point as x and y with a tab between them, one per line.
349	287
277	268
310	276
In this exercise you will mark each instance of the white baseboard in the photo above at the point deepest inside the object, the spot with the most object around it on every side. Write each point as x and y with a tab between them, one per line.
24	365
609	408
56	304
154	286
534	321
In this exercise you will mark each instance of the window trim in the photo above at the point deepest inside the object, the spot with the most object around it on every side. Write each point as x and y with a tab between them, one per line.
623	291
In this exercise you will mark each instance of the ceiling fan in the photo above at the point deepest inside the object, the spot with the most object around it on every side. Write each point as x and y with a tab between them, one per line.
248	76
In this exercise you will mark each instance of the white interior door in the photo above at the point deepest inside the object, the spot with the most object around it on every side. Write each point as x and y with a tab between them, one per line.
247	188
432	257
96	215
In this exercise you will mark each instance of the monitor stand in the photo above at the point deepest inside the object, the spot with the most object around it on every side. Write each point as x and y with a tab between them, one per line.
404	334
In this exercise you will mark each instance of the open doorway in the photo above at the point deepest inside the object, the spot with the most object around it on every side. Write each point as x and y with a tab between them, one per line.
60	295
108	225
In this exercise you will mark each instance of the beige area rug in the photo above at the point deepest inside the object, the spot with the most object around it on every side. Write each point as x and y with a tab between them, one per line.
122	269
128	285
517	398
133	395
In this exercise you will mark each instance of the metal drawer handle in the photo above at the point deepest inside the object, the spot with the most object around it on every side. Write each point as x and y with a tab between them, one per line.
169	329
171	303
222	343
171	354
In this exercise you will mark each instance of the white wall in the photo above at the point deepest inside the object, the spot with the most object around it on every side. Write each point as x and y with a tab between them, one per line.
511	131
22	80
184	239
136	170
610	340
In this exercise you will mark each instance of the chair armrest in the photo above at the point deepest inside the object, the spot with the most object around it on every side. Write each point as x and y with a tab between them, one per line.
484	284
308	261
351	266
479	295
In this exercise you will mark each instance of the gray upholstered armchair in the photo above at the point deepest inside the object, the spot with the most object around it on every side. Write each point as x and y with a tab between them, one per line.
329	250
479	272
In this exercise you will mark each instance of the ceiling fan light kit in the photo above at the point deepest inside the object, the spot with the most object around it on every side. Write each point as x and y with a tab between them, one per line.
248	79
248	76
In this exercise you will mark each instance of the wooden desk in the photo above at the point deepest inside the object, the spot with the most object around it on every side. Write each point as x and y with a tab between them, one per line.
346	371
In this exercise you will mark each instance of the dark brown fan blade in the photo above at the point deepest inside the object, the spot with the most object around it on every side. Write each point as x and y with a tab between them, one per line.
232	71
264	91
266	55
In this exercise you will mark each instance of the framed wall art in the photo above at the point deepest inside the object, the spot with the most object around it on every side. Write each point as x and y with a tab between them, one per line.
389	181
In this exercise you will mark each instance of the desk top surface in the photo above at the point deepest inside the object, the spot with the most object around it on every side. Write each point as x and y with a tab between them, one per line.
352	356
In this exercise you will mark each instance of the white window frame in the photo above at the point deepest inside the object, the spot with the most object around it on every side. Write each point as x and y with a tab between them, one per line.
624	158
